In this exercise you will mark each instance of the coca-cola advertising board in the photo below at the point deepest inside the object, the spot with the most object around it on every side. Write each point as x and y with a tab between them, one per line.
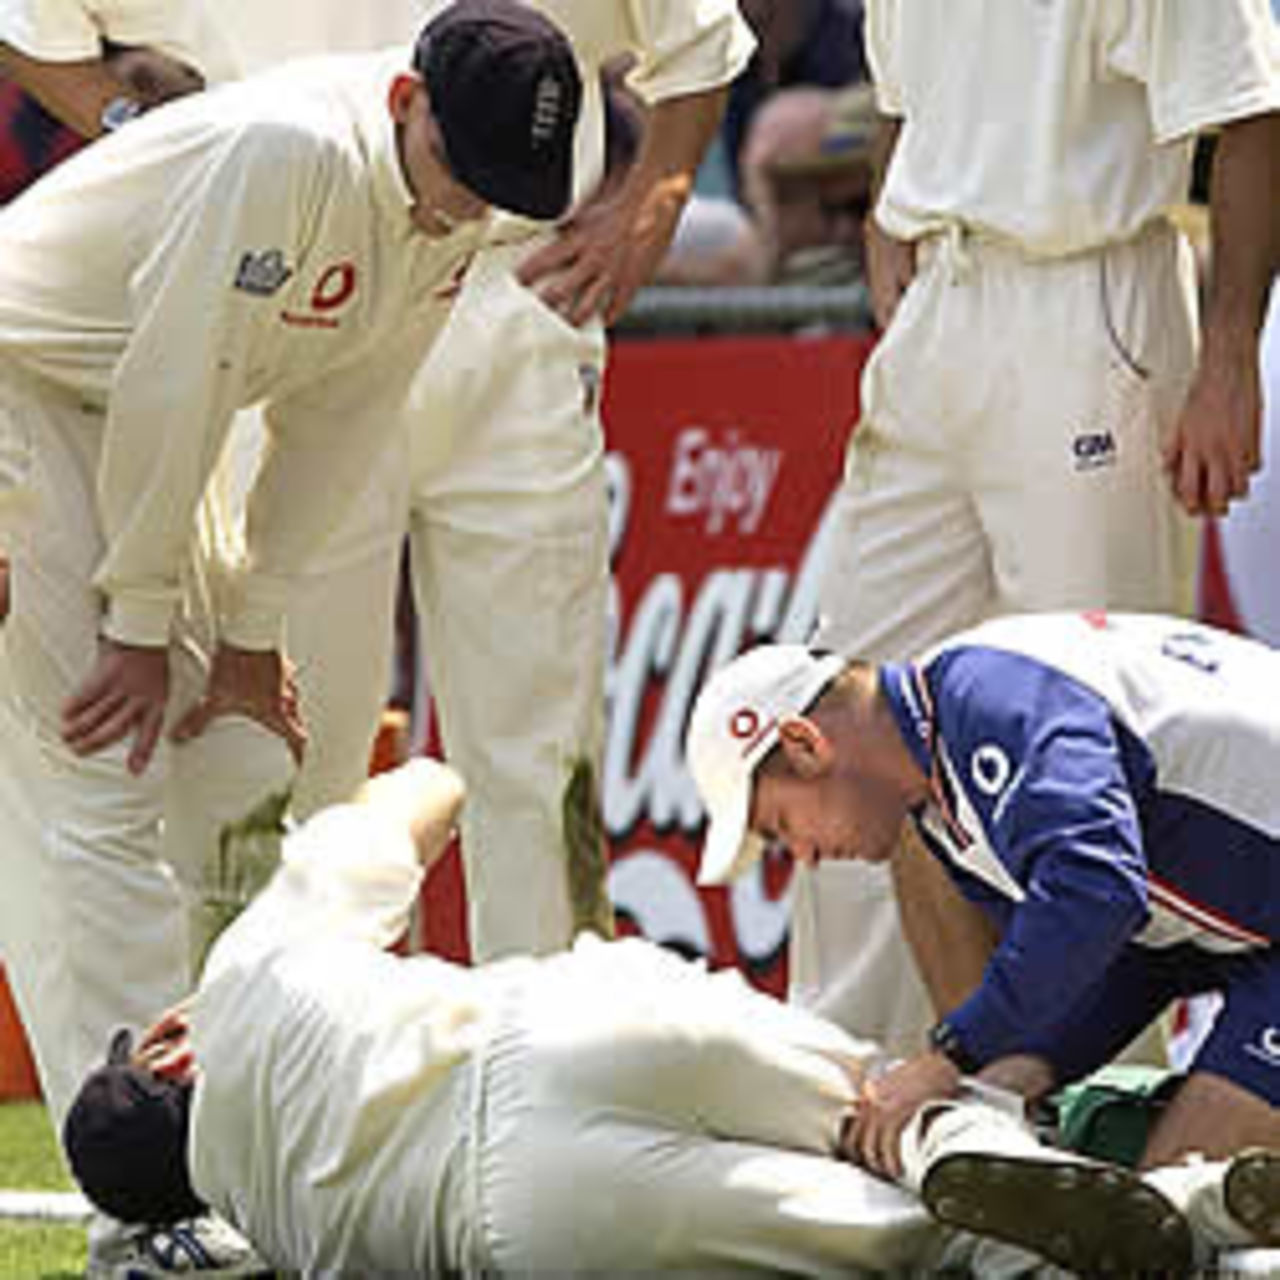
724	454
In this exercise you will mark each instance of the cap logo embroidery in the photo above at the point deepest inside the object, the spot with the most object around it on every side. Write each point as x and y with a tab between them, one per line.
548	103
746	726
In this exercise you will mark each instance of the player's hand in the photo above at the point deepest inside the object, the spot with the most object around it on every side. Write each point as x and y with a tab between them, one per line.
605	251
125	694
891	267
166	1049
258	684
873	1137
151	77
1216	445
1030	1077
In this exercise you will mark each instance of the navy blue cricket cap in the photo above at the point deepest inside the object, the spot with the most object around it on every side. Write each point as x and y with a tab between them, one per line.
126	1141
506	93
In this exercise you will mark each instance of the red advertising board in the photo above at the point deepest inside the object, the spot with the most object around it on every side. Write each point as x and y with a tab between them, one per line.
724	454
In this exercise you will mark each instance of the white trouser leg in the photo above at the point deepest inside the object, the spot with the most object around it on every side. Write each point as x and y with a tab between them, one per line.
509	554
341	636
98	933
636	1113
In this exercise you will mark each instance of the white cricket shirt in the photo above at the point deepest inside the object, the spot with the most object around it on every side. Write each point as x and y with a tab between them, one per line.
1060	125
328	1111
252	243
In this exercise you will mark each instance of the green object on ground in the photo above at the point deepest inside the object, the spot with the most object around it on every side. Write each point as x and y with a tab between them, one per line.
1109	1115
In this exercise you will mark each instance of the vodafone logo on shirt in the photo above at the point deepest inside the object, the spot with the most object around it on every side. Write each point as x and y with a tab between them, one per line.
335	286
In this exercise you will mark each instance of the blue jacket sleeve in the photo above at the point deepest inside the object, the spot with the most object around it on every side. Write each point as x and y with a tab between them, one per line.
1037	757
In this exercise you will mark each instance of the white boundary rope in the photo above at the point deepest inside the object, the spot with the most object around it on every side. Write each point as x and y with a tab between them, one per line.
43	1206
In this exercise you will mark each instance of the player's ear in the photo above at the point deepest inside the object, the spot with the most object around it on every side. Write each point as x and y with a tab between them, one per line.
401	94
808	751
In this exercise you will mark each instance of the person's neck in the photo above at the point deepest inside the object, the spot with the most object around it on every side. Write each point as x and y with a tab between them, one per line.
882	741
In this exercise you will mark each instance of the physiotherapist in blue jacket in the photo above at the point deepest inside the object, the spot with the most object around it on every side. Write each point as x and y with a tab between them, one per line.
1106	788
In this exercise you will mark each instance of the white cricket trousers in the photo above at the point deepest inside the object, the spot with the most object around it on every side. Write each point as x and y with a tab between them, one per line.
1008	460
93	925
502	493
630	1111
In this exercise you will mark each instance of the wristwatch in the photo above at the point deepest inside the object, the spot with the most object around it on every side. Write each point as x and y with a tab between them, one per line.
945	1039
119	111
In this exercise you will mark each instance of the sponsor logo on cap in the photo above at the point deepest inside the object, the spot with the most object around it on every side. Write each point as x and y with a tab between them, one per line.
548	106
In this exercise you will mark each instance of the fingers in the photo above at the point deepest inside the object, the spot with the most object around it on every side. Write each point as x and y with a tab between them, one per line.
289	726
283	719
172	1023
94	721
146	740
1206	486
165	1049
547	263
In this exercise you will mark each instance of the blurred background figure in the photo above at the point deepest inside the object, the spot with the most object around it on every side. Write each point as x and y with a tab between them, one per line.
806	179
802	42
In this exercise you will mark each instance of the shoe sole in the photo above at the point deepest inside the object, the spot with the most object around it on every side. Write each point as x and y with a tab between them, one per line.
1252	1192
1087	1218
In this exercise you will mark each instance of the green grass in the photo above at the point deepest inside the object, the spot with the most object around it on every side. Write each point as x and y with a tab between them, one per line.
29	1161
38	1251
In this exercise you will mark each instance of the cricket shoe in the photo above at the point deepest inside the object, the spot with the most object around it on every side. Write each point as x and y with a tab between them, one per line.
1252	1193
1230	1204
206	1247
986	1173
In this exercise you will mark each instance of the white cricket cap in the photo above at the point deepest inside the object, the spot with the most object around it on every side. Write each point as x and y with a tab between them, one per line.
734	725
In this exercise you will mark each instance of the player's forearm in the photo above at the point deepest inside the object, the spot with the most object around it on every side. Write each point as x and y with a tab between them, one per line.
676	137
1246	233
882	149
950	939
76	93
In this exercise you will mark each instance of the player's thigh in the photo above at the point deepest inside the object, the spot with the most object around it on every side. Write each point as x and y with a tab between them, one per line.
627	1026
510	523
1244	1045
906	558
341	636
513	602
1070	484
50	530
582	1189
509	399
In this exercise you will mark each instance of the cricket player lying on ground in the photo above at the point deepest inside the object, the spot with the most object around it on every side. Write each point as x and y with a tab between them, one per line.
611	1107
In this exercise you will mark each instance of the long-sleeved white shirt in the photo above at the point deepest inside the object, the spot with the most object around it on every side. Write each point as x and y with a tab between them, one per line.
325	1120
248	244
1059	125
